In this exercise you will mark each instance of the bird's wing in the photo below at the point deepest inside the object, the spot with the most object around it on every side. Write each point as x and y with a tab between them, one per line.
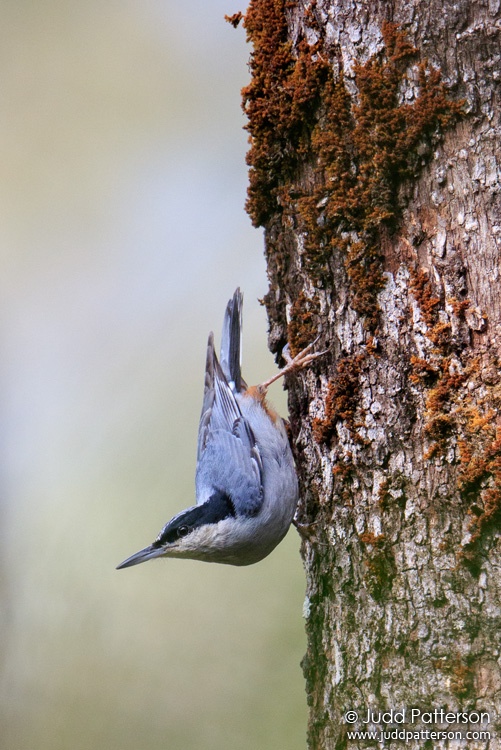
228	458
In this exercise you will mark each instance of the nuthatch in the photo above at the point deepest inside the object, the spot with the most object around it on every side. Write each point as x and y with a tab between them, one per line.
246	483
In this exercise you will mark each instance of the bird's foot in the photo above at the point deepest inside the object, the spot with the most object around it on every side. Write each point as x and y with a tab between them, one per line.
301	359
293	363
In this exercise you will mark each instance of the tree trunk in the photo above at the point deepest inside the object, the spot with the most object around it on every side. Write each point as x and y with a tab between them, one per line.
374	168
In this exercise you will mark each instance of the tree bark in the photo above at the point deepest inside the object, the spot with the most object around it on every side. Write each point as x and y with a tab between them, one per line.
374	170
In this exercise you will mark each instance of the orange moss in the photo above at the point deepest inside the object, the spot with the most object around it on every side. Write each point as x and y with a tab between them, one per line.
459	307
343	469
480	421
364	151
372	346
449	412
342	399
342	472
395	482
440	335
280	102
421	289
423	371
448	385
438	376
441	413
302	329
478	440
335	162
480	482
478	450
368	537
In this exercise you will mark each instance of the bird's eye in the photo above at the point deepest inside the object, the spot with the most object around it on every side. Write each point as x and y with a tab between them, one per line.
183	530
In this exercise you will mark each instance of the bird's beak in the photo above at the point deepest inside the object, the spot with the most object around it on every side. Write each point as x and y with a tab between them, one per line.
148	553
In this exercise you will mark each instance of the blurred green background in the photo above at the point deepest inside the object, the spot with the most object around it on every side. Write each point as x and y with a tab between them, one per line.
122	235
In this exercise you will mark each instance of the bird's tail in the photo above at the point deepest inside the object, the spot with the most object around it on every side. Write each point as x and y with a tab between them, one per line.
231	342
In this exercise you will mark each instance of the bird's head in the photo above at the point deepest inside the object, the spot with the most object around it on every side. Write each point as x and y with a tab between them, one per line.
199	533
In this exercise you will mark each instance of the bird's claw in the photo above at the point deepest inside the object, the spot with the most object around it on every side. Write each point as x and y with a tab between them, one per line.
303	358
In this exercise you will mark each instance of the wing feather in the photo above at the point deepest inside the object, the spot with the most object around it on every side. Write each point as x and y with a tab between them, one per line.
228	458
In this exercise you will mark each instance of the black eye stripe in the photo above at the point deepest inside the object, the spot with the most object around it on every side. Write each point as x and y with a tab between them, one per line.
217	508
